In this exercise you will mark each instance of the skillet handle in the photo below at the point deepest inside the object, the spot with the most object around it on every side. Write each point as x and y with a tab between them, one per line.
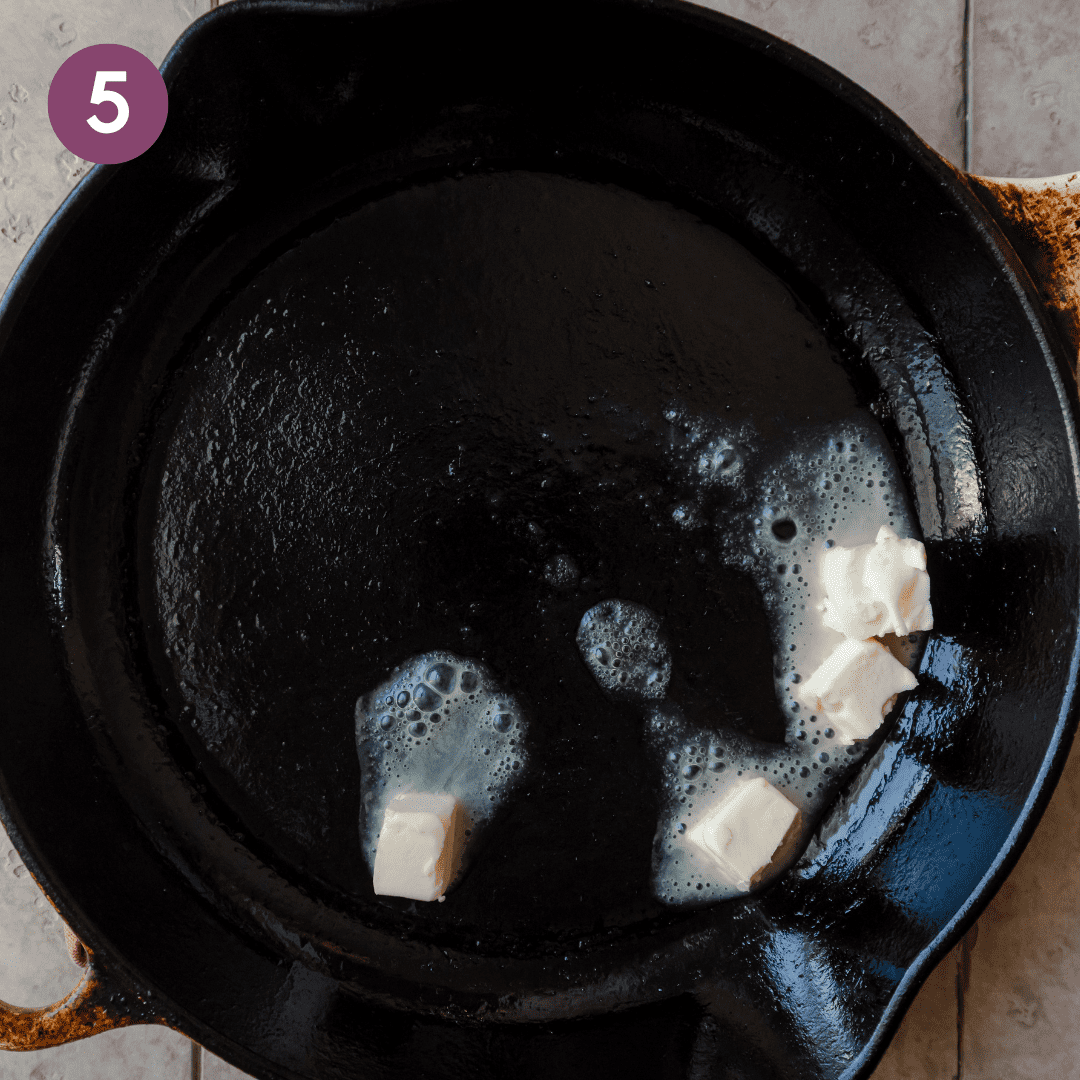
99	1003
1041	219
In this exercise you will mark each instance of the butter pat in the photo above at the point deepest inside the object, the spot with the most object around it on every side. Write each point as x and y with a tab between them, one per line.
878	588
743	830
419	847
855	688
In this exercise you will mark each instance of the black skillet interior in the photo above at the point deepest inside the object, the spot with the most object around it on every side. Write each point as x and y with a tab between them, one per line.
388	322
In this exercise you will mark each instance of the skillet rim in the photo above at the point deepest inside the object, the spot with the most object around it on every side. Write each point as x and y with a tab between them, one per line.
959	193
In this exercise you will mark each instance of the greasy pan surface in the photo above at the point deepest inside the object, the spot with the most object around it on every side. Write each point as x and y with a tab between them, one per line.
383	335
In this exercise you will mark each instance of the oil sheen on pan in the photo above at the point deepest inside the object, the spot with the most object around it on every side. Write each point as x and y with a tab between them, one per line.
455	420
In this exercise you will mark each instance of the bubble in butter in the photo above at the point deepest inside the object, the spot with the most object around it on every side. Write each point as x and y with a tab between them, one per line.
439	724
625	650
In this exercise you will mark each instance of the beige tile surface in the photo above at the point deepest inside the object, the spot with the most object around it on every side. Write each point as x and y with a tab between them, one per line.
1026	87
906	52
214	1068
925	1045
138	1053
36	36
1022	1004
35	968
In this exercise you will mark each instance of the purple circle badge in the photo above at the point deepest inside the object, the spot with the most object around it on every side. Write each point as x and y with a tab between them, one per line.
108	103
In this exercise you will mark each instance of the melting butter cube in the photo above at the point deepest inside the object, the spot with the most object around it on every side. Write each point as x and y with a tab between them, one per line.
855	688
878	588
743	831
419	847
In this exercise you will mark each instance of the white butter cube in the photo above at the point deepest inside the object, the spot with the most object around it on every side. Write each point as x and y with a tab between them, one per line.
878	588
855	688
419	847
742	832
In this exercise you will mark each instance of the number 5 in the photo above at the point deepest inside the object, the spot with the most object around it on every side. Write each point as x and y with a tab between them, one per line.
99	94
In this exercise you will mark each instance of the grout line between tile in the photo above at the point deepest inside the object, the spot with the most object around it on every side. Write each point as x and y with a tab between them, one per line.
963	981
967	105
959	1017
196	1060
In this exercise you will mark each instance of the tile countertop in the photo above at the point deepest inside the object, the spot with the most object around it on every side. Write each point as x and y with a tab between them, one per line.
994	86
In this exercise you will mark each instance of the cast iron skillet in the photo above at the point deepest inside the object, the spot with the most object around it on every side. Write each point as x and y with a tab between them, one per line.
176	754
